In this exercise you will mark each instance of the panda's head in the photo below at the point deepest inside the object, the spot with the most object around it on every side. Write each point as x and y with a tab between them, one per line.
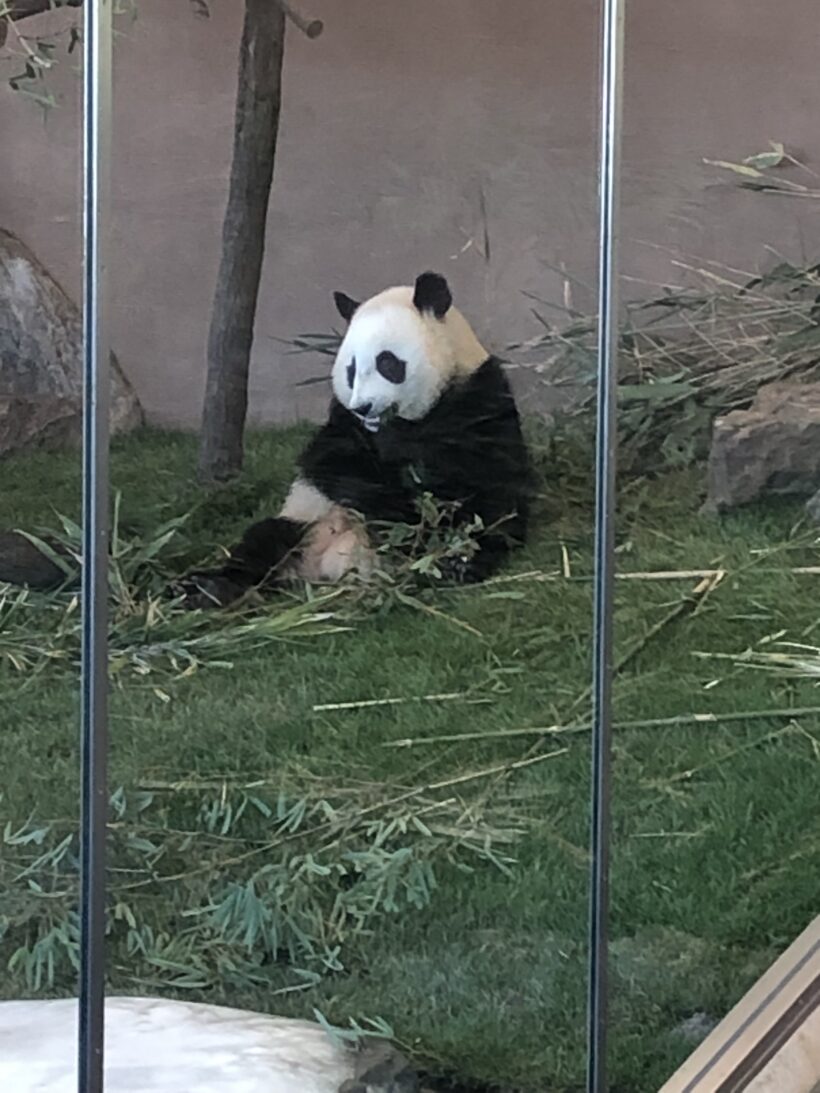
401	350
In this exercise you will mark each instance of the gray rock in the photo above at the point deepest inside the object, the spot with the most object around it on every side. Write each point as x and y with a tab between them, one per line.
695	1028
381	1068
40	421
41	355
21	563
771	448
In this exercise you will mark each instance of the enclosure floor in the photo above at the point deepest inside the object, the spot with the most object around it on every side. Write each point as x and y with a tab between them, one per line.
216	721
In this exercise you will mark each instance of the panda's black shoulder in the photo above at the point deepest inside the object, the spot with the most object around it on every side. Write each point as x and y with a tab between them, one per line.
472	443
482	399
489	380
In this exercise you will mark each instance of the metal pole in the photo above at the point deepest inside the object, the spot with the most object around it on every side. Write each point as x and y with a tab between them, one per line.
96	384
612	41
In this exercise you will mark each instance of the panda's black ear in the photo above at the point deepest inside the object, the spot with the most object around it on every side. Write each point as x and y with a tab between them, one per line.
344	305
432	293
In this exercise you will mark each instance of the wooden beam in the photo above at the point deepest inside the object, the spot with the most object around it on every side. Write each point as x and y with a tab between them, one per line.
768	1043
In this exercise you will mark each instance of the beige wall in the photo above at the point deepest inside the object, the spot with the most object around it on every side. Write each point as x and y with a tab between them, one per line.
401	123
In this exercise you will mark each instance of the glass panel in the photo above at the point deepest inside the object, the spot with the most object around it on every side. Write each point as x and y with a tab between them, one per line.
715	755
323	774
355	788
41	406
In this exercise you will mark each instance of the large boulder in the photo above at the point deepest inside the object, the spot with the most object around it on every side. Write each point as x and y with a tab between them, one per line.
771	448
46	420
22	563
41	357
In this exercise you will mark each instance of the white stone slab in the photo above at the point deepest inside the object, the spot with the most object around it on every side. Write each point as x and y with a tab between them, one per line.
159	1046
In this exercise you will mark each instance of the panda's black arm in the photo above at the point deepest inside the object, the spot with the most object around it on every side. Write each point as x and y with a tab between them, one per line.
486	467
504	521
257	559
343	462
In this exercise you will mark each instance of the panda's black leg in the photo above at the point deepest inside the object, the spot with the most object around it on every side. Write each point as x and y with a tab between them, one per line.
258	560
206	588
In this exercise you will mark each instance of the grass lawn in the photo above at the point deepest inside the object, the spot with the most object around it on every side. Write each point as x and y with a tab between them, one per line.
716	825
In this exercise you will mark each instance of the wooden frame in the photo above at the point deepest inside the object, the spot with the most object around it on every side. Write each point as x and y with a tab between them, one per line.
770	1041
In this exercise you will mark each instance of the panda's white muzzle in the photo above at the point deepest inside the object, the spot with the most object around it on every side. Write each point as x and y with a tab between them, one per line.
368	417
370	421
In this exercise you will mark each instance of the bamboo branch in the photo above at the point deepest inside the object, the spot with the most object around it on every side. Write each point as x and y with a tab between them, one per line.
311	28
24	9
418	792
368	703
538	576
681	720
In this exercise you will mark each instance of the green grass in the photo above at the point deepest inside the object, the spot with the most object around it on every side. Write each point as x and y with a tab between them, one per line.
715	825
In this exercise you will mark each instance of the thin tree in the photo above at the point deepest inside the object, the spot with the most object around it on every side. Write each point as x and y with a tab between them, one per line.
230	338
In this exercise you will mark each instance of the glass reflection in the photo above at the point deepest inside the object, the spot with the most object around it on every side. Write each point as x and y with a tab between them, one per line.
715	754
366	799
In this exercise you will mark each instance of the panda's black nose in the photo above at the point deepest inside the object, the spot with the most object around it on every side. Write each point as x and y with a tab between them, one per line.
363	410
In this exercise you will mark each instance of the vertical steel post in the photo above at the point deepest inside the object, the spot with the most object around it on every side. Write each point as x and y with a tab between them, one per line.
97	19
612	42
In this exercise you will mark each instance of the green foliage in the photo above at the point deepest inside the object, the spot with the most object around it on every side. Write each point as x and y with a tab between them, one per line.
685	357
251	875
716	836
154	635
151	635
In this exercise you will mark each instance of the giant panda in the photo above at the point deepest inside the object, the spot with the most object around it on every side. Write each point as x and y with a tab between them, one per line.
418	407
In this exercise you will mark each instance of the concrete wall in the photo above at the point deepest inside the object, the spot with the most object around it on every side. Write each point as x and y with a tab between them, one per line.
411	132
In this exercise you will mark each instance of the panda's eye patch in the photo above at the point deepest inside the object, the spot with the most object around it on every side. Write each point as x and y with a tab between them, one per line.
351	372
391	367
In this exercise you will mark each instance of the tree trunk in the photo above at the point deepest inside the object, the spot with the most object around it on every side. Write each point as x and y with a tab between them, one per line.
243	240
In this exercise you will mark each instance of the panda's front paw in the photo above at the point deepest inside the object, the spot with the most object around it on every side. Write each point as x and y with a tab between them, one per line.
458	569
201	591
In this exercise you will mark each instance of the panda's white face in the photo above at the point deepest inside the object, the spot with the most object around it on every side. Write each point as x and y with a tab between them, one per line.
401	350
